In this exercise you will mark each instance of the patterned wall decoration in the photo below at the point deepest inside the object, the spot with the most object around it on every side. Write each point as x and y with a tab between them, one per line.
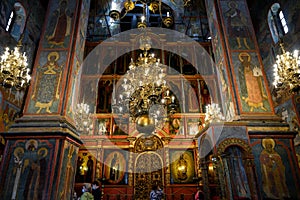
274	162
182	166
32	161
46	90
115	166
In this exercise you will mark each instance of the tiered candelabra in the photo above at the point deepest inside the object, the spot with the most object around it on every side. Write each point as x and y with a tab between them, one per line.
14	71
287	71
82	117
213	113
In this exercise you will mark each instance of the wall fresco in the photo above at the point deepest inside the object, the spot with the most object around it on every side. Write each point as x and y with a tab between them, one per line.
67	173
115	167
250	82
274	163
86	165
238	24
59	24
46	91
8	113
30	162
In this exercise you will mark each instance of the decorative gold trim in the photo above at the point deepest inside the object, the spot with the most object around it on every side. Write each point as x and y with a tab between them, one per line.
233	142
268	128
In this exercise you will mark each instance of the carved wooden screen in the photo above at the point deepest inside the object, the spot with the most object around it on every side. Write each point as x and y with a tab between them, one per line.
148	171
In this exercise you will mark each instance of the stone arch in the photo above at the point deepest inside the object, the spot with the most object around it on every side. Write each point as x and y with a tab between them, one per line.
233	142
235	159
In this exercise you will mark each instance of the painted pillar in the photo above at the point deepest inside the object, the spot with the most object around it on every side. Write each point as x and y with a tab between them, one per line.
44	142
237	57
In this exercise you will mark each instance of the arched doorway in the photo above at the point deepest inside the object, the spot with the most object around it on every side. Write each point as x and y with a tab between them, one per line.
148	166
235	165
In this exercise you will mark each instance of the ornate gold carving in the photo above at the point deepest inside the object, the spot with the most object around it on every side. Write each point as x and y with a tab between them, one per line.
148	143
148	171
233	141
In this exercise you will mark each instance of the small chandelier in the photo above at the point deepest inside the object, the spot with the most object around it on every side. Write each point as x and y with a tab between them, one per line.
82	117
143	93
153	5
287	71
14	71
213	113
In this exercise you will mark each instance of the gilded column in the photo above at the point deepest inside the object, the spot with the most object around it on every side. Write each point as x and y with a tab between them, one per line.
131	160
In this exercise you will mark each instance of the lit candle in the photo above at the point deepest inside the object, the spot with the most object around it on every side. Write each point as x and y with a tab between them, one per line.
173	99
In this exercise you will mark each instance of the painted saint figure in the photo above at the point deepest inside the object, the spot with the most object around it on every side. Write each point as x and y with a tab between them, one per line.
19	24
90	167
237	24
182	168
114	168
273	171
62	26
47	85
251	85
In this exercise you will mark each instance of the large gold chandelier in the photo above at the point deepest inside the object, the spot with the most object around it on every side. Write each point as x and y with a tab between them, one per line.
287	71
14	71
143	94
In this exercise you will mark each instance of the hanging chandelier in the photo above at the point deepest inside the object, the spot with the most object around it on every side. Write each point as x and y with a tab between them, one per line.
213	113
14	71
143	94
152	5
287	71
82	118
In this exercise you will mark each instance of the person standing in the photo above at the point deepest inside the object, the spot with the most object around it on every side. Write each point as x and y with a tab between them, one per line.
90	166
96	191
199	195
86	192
156	193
